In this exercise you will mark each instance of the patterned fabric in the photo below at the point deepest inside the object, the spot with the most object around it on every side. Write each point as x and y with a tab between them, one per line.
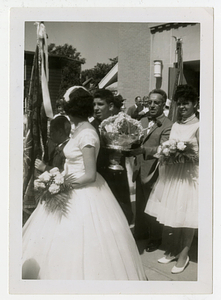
36	137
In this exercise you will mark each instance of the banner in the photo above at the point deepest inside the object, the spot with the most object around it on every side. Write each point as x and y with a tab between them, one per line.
38	110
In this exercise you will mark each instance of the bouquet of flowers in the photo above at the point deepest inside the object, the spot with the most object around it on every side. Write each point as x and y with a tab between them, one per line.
54	189
121	132
173	151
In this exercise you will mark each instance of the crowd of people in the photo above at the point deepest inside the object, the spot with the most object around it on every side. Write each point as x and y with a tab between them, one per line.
94	240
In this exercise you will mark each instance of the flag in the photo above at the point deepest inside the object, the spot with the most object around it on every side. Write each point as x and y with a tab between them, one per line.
176	77
38	110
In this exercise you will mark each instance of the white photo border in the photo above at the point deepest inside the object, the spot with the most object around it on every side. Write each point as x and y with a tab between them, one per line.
204	16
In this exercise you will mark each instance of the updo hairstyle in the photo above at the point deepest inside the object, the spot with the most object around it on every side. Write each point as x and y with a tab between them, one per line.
80	104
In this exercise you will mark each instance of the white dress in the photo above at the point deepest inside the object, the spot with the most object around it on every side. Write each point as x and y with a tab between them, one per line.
93	242
174	198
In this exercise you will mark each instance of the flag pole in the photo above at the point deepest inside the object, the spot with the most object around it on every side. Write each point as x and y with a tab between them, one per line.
179	77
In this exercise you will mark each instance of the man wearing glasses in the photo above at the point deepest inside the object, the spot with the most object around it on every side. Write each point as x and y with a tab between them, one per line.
156	131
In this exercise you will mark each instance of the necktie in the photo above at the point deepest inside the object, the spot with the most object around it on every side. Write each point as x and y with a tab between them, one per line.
150	124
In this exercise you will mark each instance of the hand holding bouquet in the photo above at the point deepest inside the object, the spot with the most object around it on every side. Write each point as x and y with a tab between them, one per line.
173	151
54	188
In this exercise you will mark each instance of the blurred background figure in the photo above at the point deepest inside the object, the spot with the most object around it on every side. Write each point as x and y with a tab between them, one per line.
59	108
139	114
121	101
136	108
167	107
60	129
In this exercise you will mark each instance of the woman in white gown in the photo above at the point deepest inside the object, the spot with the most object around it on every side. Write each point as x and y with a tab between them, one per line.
174	198
93	241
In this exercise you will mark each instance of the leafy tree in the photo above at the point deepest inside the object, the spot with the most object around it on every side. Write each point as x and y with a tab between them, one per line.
98	72
71	71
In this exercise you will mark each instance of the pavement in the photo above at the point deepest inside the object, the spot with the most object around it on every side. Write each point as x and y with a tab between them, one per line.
162	272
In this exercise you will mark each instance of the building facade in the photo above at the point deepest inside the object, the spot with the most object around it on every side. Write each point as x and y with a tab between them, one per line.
144	47
56	65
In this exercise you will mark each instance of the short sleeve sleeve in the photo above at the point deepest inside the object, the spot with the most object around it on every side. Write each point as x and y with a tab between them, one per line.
88	138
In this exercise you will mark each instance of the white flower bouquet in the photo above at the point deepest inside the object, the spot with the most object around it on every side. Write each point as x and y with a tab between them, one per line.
173	151
121	132
53	188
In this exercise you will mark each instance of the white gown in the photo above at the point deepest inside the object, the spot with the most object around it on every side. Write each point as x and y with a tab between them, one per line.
93	242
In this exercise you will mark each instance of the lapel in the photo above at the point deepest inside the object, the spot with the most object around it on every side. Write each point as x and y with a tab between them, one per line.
144	123
153	128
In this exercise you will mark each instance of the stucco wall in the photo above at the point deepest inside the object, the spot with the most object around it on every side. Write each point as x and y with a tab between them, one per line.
138	48
133	60
163	47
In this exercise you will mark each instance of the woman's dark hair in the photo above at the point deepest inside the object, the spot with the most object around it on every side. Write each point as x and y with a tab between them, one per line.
80	104
186	92
61	123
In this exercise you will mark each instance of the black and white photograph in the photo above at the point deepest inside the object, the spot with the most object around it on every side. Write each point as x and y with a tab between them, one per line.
112	136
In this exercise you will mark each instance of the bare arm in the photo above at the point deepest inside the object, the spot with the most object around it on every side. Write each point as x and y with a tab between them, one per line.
40	165
89	159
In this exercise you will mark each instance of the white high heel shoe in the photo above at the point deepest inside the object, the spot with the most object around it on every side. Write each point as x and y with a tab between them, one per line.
165	260
176	270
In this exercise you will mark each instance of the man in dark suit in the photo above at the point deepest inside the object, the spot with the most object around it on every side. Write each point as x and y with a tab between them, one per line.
156	131
139	114
136	108
105	105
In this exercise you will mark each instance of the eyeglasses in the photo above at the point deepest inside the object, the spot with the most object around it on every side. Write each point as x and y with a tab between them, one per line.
154	102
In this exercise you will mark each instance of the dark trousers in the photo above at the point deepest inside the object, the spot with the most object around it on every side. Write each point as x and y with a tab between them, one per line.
118	183
141	228
146	226
155	229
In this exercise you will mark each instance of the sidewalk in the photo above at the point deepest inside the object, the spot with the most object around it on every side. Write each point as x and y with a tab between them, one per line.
162	272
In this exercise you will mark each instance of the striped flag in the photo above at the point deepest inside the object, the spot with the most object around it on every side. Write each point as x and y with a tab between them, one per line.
38	111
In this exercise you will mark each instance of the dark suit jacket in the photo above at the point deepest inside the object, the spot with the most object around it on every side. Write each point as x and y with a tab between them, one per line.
131	110
159	133
134	110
